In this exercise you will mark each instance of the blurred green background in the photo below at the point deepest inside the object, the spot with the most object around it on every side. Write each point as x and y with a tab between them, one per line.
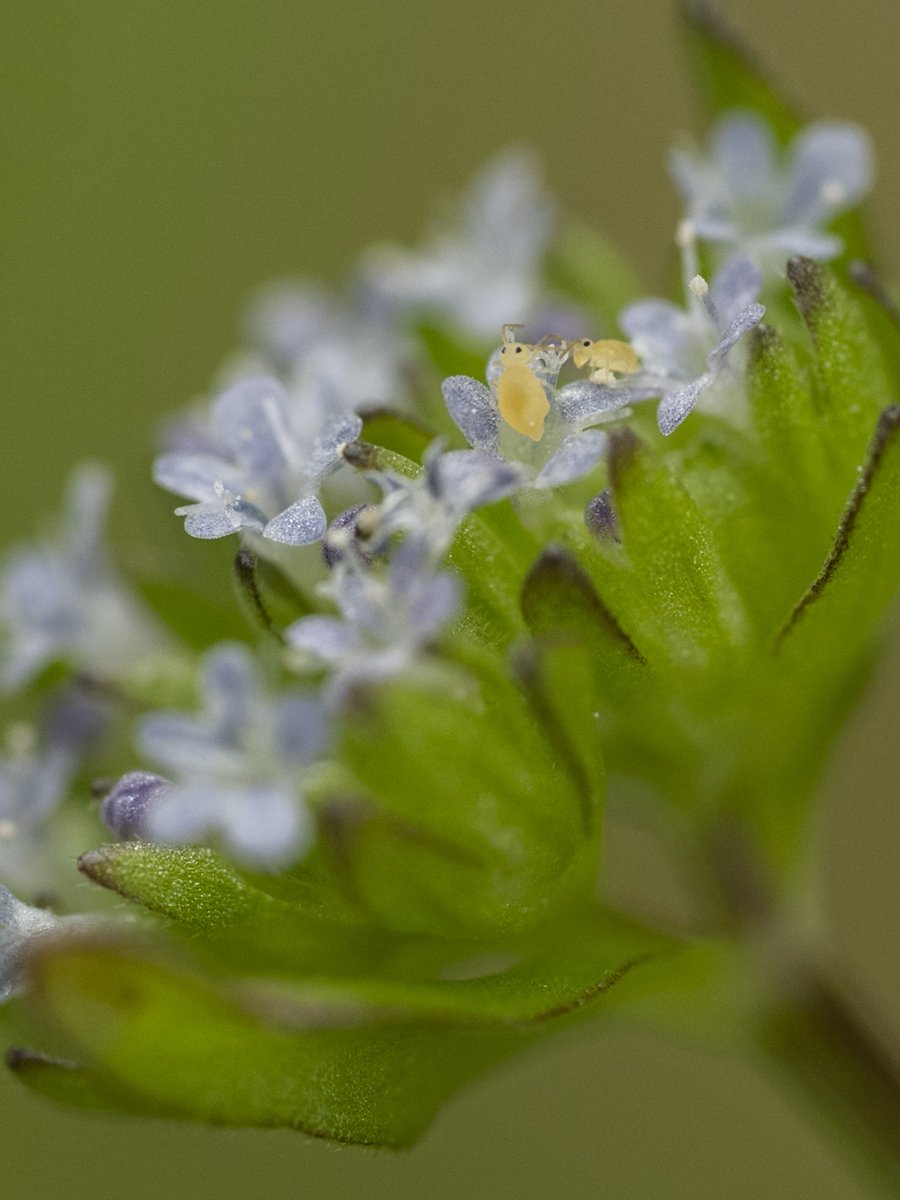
162	161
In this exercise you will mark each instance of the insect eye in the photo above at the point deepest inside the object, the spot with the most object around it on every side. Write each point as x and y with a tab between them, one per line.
586	342
518	349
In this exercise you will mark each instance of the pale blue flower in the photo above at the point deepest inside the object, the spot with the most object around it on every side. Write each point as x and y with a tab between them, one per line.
389	616
334	358
268	457
62	600
234	771
685	350
429	509
487	267
768	205
563	451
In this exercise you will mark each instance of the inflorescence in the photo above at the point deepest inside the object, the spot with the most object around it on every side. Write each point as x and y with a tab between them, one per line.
275	458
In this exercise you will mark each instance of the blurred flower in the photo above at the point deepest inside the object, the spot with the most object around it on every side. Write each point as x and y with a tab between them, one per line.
474	275
62	600
388	616
36	771
237	767
334	358
267	459
769	206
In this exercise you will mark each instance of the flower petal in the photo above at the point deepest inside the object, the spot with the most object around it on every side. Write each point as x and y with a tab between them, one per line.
472	407
232	690
674	407
124	808
251	419
833	167
468	479
577	455
659	330
325	452
184	744
326	637
582	399
196	475
304	522
736	285
264	825
784	243
87	503
745	151
431	601
302	728
742	323
217	519
18	923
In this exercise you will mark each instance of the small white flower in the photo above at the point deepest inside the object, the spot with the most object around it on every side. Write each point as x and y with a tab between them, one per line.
266	462
388	617
747	195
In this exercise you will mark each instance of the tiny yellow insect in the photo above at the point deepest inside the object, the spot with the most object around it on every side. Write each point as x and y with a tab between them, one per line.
607	357
521	397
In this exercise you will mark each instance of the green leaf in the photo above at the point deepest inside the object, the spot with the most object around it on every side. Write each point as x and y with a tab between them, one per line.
854	384
666	583
727	73
558	599
192	885
67	1083
769	532
491	573
849	598
798	694
362	1061
489	837
786	418
242	925
453	355
560	604
561	684
880	310
367	456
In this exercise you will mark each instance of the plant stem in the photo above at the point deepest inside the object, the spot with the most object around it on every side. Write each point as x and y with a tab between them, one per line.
812	1024
820	1043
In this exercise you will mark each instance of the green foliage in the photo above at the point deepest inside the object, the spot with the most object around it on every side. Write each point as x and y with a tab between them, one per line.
487	838
727	73
364	1060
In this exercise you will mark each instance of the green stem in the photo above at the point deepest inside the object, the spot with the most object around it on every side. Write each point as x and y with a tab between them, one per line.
819	1042
812	1024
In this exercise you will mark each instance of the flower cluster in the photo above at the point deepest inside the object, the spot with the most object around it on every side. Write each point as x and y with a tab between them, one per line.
488	543
265	459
